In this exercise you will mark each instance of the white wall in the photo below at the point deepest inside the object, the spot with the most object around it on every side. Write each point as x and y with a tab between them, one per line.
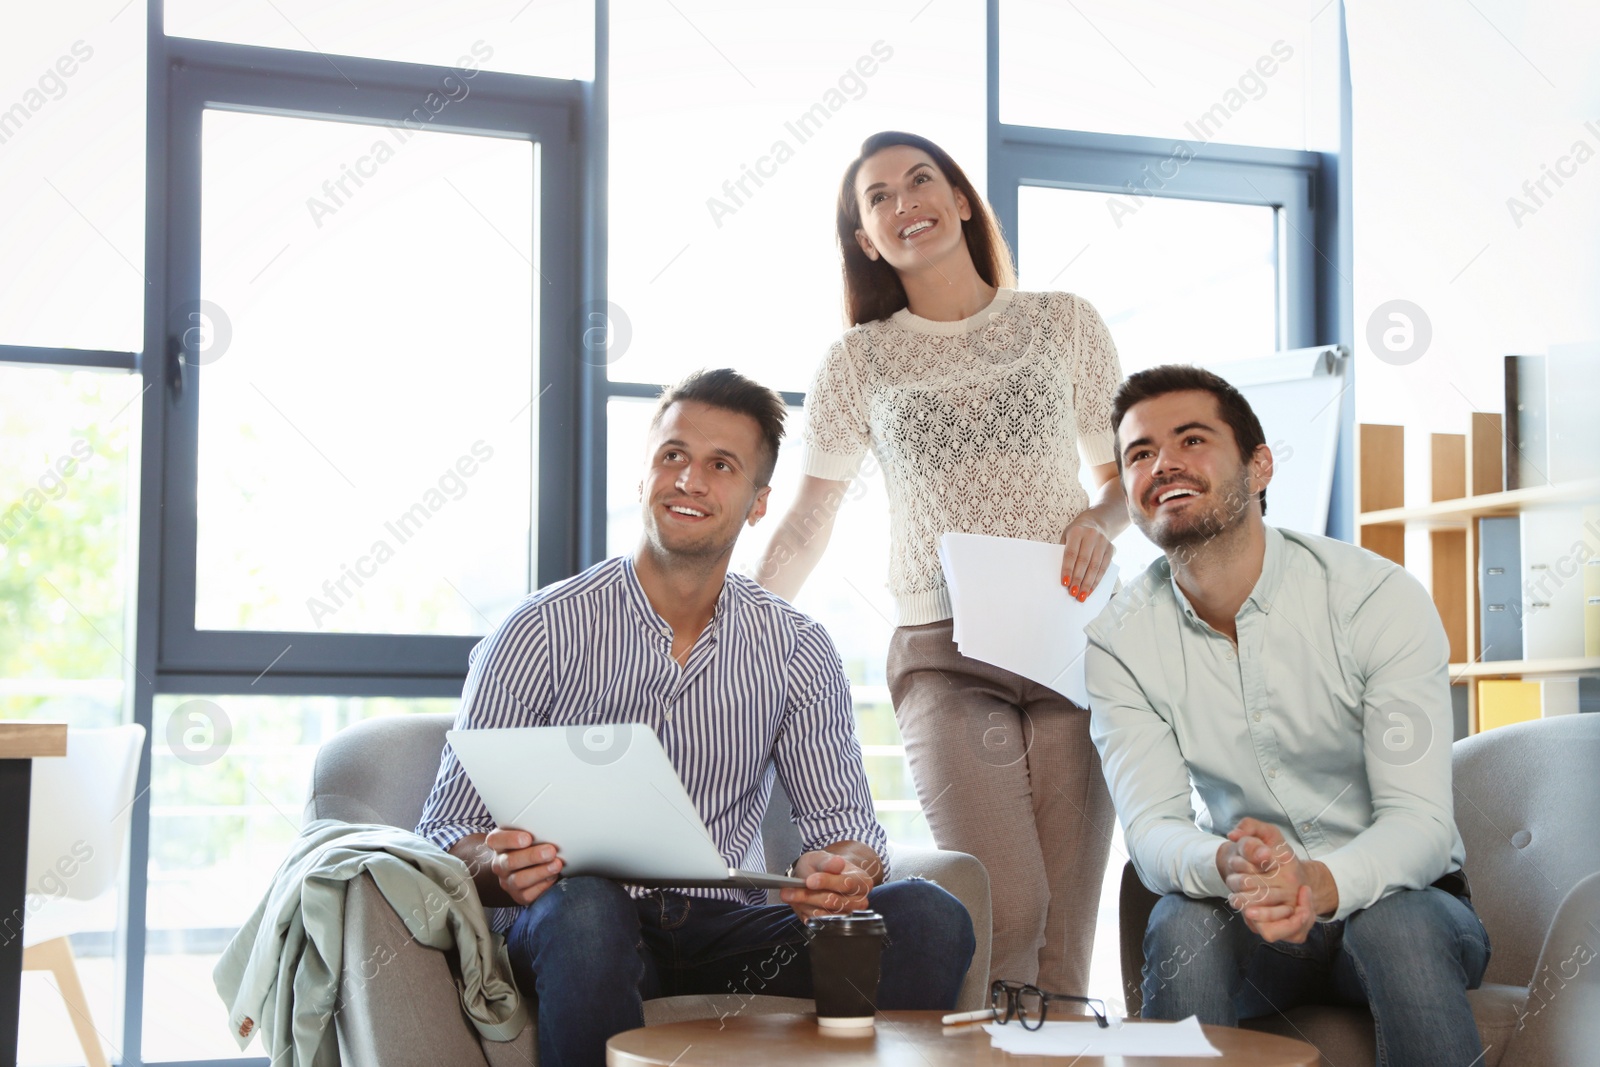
1455	106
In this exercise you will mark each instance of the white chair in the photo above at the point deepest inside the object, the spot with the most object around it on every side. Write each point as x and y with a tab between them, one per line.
79	808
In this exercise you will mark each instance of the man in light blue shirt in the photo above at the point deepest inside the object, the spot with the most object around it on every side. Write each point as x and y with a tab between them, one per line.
1297	685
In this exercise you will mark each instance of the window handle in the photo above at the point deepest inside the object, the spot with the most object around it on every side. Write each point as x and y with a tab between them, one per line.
176	362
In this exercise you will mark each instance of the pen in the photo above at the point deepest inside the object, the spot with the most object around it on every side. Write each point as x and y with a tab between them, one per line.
956	1018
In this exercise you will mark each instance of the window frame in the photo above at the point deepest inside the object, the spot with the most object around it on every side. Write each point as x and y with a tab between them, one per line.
79	358
1309	190
1108	163
208	75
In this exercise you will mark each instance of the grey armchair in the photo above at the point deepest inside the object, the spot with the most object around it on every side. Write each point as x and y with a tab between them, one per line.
380	771
1527	806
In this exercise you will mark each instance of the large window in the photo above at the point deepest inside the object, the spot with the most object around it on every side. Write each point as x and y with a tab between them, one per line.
65	542
1190	280
1241	72
66	547
72	133
228	781
364	361
369	380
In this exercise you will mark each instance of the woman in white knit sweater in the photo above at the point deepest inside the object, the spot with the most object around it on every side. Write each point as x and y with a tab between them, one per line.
978	402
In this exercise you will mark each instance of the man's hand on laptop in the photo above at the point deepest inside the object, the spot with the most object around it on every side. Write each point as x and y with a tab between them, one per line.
508	866
834	885
525	867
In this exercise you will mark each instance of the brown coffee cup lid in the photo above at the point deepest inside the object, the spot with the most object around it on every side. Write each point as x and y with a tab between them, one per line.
856	924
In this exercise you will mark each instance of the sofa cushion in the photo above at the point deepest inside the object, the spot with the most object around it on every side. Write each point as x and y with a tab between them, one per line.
1344	1035
1497	1009
379	770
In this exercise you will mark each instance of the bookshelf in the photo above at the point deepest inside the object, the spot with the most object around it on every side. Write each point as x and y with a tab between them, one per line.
1467	480
1447	514
1523	668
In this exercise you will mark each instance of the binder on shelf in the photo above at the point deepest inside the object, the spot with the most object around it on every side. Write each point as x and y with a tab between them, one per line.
1448	455
1572	389
1500	587
1569	696
1380	485
1485	458
1527	454
1552	587
1501	703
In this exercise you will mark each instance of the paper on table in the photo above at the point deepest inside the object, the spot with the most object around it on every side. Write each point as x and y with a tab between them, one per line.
1134	1037
1010	610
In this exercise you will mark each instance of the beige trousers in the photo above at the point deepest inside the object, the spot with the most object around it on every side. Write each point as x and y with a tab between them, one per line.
1006	772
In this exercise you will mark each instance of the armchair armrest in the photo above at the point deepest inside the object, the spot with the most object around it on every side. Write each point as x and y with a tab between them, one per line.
398	1003
1134	905
966	879
1560	1024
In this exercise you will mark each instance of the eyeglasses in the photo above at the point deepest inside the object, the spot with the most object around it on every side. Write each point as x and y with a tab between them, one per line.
1029	1004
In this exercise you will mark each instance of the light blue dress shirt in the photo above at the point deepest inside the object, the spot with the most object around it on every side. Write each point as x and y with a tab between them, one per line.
1330	719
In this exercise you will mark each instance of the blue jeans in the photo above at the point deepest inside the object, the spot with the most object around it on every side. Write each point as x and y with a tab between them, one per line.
1410	958
592	955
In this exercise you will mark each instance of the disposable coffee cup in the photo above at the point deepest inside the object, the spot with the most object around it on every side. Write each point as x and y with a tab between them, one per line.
846	952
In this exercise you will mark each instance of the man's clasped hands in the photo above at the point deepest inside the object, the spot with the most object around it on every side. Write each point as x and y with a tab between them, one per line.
1279	894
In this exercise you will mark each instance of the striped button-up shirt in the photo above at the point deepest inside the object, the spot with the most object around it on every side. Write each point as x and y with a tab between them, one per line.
763	692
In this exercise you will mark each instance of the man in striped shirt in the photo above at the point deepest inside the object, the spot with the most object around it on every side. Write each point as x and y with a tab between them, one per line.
739	687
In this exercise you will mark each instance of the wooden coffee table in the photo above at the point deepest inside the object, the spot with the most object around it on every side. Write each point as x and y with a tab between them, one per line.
900	1039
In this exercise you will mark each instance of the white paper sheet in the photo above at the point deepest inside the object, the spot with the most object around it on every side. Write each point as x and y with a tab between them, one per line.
1011	610
1133	1037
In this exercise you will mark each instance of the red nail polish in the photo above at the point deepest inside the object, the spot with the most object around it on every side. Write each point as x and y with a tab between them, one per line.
1074	590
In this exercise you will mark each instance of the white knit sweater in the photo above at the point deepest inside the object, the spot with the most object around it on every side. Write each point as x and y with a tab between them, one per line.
974	423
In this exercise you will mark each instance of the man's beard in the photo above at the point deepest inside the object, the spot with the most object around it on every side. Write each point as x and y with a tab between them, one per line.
701	550
1189	532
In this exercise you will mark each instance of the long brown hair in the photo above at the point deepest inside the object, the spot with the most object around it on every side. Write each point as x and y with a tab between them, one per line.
872	288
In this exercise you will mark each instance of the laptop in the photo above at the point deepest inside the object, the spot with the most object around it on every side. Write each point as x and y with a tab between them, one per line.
607	797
